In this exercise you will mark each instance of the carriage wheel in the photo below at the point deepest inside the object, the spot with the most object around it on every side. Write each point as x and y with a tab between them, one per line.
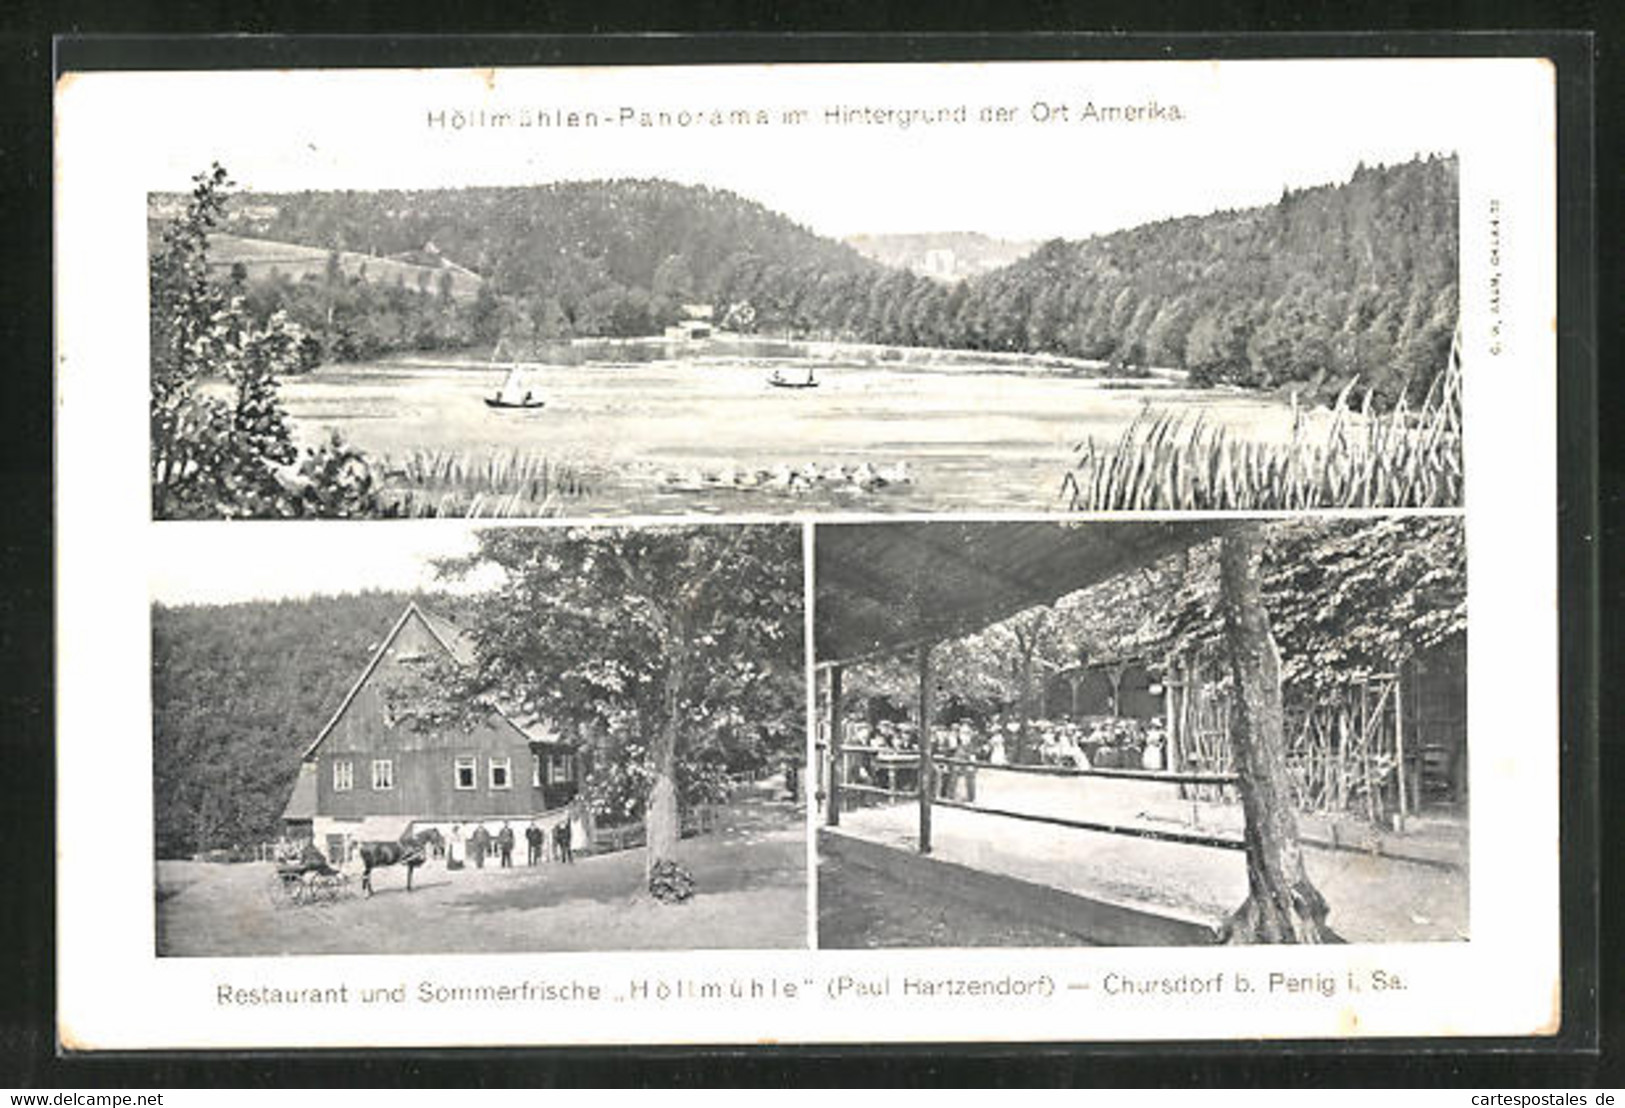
284	890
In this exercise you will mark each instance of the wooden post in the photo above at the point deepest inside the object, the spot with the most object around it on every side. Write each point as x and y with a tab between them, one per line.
1365	756
1170	752
1399	741
837	756
927	778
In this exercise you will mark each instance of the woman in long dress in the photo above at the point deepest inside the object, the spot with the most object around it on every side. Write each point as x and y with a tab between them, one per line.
455	847
580	833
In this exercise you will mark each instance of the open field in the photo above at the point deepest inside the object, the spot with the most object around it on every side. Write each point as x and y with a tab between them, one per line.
751	892
264	257
705	432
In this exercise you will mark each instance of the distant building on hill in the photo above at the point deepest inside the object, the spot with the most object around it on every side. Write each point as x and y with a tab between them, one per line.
939	263
374	772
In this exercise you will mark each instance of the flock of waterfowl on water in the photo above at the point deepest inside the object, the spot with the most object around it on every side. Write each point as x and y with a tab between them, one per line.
864	477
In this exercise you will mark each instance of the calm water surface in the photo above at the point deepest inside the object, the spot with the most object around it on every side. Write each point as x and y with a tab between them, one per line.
657	434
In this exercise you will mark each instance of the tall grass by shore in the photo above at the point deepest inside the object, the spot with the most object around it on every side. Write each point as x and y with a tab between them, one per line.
431	484
1404	458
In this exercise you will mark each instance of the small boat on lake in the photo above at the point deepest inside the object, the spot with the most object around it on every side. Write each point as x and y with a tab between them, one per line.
779	381
513	394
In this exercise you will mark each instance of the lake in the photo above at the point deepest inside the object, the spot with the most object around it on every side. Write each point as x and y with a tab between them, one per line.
682	435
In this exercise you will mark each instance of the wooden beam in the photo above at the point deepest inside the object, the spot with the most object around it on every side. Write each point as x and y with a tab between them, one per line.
837	759
927	780
1399	743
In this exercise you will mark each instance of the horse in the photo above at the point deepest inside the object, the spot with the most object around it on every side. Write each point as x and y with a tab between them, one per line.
408	852
434	841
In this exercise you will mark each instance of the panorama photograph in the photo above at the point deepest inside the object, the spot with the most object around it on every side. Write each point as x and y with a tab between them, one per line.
860	329
460	741
1146	733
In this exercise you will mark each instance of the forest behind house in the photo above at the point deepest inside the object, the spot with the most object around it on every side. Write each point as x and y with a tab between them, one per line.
239	691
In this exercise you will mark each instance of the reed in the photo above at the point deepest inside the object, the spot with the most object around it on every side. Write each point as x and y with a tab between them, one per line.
440	484
1363	459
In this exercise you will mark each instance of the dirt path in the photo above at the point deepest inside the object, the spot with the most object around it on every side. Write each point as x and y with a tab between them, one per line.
751	893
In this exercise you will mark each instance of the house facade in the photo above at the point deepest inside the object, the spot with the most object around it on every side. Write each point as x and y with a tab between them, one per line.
378	769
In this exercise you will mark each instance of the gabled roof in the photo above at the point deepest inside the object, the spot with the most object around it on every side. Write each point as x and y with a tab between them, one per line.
457	644
302	804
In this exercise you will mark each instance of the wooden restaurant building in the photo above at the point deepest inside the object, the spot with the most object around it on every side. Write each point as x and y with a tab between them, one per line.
376	771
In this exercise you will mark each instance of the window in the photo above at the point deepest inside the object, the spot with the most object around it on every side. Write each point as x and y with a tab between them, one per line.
501	772
465	778
383	774
560	769
535	771
343	775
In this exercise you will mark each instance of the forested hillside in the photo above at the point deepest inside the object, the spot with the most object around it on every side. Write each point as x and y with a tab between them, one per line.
1357	278
1329	283
238	692
576	258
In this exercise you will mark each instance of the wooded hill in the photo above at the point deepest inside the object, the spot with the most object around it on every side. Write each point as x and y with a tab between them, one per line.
1328	283
238	692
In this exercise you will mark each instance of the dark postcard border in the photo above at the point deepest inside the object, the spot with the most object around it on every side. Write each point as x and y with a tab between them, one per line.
27	1012
252	51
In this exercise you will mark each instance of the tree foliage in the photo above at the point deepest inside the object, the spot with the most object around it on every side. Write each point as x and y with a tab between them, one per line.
1346	599
221	446
673	655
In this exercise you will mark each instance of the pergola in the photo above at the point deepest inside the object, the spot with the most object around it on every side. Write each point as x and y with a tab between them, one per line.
883	589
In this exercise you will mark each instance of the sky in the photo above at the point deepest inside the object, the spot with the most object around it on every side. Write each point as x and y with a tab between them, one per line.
225	563
1247	129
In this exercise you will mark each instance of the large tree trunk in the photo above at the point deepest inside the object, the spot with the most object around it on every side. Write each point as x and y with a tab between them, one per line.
1282	905
662	819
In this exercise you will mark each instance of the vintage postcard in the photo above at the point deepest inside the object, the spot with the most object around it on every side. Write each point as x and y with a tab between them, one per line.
808	553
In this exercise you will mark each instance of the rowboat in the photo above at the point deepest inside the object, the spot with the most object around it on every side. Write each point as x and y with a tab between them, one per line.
779	381
510	395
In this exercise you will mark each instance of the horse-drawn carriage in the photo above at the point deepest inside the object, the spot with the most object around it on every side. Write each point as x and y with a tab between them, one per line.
308	878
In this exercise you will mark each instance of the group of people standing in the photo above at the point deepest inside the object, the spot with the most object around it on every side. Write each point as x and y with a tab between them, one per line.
558	841
1113	743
